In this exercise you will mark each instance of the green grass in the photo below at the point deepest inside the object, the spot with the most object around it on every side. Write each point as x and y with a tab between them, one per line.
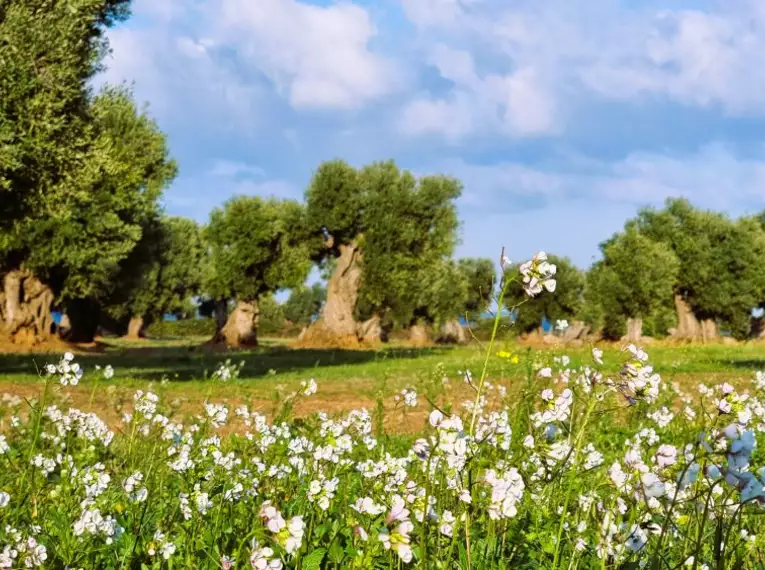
186	364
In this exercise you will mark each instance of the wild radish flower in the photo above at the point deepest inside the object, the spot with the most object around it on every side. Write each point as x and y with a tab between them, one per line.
537	275
5	498
398	540
662	417
545	372
410	397
637	538
263	559
666	455
160	544
506	491
217	414
597	355
365	505
226	562
291	537
69	372
309	388
447	523
321	491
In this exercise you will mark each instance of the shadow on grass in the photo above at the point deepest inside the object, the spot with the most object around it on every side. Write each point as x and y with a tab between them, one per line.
753	364
182	363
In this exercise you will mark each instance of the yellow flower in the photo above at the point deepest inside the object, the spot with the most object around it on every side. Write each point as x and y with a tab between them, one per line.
504	354
514	359
119	508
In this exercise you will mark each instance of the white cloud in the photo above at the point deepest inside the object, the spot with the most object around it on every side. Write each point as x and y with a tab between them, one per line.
528	63
517	103
180	76
713	178
230	169
319	56
694	57
427	13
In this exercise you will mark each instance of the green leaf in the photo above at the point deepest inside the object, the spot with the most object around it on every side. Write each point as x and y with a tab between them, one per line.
313	560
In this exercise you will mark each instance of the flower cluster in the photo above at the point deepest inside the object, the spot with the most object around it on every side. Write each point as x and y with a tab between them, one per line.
538	274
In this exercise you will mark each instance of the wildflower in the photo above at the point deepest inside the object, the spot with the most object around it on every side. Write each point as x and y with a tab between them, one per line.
447	523
397	539
597	355
263	559
537	275
5	498
309	388
637	538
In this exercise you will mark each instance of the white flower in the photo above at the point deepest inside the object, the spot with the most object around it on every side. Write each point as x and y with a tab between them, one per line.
5	498
597	355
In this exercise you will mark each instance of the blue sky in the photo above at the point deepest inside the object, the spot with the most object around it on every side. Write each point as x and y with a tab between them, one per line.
561	117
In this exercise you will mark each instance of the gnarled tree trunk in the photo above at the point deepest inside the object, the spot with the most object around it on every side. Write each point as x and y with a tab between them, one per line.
135	329
25	308
709	330
371	330
418	335
241	328
452	332
84	316
337	323
688	326
576	331
634	330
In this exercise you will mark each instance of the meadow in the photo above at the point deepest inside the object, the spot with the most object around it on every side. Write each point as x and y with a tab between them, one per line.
163	454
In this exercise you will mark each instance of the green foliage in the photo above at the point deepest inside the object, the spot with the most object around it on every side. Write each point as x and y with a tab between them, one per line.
634	280
304	303
182	328
271	315
48	53
481	277
111	200
564	303
719	258
254	249
161	272
405	227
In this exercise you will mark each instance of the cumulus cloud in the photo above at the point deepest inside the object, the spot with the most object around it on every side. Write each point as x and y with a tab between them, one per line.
319	56
536	59
180	76
518	103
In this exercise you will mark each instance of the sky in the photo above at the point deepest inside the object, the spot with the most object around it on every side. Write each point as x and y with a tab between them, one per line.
560	117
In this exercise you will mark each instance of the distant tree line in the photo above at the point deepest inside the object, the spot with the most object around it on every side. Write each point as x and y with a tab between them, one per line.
82	230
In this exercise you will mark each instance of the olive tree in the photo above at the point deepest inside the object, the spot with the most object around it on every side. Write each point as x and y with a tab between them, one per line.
634	279
159	276
719	279
49	51
254	250
382	230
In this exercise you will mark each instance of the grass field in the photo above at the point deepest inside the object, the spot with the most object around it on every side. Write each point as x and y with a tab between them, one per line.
593	463
348	379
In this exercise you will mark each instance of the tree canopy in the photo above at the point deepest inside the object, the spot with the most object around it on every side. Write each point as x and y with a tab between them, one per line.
634	279
304	304
254	251
385	230
719	275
